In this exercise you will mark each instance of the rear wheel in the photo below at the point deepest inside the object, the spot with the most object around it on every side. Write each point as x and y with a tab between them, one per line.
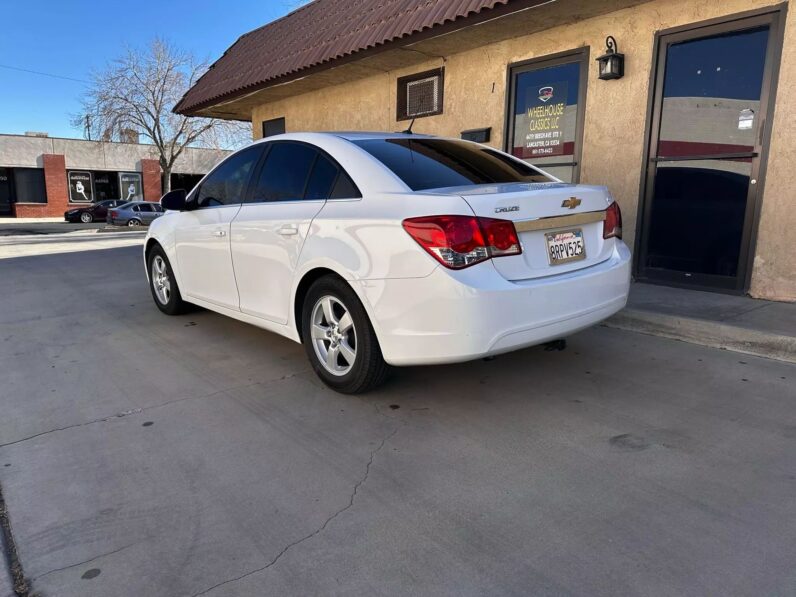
163	284
86	217
339	339
133	223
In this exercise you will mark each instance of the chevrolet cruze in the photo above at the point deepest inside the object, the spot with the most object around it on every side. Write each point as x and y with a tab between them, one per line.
376	250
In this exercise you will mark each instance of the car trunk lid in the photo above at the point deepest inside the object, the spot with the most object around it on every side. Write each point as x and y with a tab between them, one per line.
549	218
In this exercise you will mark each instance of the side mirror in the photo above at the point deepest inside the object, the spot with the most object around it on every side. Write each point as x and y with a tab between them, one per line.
174	200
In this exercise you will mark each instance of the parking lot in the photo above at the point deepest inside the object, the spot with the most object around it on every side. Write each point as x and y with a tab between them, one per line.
195	455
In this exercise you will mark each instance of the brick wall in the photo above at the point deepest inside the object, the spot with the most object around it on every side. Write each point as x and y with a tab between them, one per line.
151	178
56	187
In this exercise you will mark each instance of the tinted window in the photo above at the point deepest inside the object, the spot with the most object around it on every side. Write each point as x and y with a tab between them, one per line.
284	175
29	185
273	127
438	163
344	188
324	173
227	183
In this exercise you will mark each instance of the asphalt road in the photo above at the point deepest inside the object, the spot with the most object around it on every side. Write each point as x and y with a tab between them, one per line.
142	455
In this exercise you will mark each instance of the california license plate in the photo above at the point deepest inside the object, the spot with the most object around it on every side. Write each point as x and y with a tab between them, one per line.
565	247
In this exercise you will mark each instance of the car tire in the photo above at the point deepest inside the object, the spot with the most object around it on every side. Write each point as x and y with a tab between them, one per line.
86	218
163	284
132	223
330	349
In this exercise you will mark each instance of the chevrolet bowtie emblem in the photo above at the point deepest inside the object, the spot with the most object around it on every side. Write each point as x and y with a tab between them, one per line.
571	203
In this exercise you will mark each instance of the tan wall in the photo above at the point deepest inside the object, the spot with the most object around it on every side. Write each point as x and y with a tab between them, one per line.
616	112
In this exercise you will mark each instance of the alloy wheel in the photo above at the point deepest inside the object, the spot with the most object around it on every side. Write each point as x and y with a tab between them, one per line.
86	218
160	280
132	223
334	336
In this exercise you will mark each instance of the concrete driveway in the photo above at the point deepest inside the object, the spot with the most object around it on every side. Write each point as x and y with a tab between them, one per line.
144	455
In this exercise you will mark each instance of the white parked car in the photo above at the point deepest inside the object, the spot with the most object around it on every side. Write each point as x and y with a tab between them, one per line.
390	249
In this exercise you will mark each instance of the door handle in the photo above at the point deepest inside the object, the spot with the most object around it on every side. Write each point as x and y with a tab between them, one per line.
219	233
288	230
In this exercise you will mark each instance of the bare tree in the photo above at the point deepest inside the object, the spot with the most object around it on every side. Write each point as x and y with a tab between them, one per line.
136	93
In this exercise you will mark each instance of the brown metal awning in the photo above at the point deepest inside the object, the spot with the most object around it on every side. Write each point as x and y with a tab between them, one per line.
356	37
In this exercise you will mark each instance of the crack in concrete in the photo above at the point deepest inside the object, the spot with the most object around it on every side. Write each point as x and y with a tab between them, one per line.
102	555
135	411
318	531
104	419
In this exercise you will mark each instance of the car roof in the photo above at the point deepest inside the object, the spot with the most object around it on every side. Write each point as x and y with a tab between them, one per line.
347	135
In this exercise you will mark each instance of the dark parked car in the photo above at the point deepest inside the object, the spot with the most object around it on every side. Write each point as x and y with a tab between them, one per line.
96	212
134	213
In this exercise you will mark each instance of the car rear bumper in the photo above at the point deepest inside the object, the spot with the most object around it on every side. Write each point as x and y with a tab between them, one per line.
450	317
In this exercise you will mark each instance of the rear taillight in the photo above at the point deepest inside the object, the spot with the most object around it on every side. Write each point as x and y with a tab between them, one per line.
461	241
114	213
612	225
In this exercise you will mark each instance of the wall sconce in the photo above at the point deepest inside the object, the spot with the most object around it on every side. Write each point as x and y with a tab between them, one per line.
612	63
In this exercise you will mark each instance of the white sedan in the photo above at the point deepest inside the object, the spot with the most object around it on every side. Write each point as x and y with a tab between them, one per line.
377	249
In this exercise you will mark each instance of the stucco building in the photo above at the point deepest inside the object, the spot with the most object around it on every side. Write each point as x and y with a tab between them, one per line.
43	176
696	140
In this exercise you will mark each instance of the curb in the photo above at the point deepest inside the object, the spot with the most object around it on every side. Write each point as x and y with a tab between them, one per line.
125	229
707	333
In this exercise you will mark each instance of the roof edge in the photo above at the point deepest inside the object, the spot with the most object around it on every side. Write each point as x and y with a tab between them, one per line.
463	22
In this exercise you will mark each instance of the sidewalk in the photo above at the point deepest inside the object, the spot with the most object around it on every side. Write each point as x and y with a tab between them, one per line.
739	323
26	226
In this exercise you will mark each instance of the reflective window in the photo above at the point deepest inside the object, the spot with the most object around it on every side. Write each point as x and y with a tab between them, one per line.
545	117
226	185
709	121
438	163
711	94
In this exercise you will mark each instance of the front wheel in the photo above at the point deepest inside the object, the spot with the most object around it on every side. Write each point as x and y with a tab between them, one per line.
86	218
163	285
339	339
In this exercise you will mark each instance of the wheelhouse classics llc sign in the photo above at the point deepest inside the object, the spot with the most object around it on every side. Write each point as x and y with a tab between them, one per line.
545	117
80	187
130	186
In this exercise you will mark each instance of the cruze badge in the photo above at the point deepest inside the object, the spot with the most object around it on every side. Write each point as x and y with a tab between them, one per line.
571	203
505	210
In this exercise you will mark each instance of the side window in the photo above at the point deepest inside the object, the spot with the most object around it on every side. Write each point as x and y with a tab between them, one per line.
146	207
136	208
226	185
322	178
345	188
284	175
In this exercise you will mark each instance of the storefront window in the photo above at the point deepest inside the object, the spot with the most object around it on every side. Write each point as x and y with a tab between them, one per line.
105	186
547	106
131	186
29	185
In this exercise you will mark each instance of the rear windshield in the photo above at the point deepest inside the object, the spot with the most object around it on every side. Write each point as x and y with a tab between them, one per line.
438	163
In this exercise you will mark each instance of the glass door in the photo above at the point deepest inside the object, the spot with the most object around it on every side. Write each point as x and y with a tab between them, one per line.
547	99
703	173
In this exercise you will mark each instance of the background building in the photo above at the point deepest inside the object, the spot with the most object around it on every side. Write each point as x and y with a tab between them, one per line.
696	140
41	176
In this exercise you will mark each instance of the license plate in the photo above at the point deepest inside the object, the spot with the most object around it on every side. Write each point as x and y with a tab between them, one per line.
565	247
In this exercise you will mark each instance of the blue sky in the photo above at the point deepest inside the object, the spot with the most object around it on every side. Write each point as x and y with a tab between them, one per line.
71	37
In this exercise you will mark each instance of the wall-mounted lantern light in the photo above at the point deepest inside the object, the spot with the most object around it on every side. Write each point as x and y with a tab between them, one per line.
612	63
